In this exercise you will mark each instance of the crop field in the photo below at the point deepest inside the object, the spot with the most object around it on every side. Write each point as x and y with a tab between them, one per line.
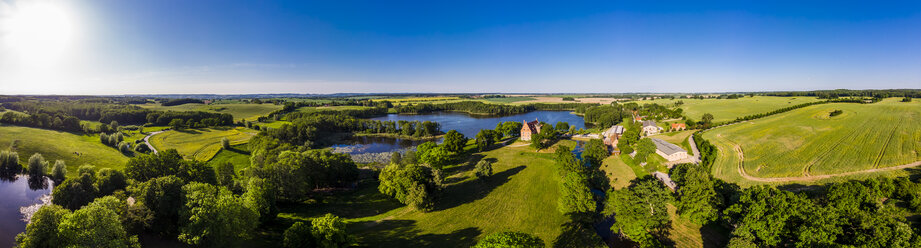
315	109
74	149
240	111
520	196
809	144
200	144
403	100
730	109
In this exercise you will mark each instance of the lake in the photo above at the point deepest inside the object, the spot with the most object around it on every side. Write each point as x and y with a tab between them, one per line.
467	125
21	198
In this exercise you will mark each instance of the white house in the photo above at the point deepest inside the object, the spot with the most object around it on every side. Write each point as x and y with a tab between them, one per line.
669	151
650	127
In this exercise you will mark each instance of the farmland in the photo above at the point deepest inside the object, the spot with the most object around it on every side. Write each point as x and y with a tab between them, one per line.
808	143
74	149
240	111
200	144
730	109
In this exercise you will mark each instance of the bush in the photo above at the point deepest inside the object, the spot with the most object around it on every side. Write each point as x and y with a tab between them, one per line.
483	169
124	147
59	172
225	143
299	236
9	162
510	239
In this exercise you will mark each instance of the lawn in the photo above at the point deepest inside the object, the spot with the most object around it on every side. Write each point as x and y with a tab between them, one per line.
808	142
617	171
240	111
200	144
57	145
729	109
520	196
238	156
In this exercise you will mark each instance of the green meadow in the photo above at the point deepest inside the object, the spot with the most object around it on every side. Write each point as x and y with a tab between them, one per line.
808	142
200	144
730	109
240	111
74	149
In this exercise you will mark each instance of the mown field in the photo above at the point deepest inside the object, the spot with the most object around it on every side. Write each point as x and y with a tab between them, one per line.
240	111
730	109
808	142
520	196
74	149
200	144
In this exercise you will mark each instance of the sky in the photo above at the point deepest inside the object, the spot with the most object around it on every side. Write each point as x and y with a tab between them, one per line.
234	47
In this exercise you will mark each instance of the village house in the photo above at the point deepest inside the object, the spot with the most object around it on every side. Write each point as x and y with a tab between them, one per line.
529	128
669	151
679	127
611	137
650	128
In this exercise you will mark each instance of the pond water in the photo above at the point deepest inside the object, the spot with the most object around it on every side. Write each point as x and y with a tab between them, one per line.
467	125
21	198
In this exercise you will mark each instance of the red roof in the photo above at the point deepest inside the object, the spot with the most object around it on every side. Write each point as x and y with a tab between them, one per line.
678	125
533	126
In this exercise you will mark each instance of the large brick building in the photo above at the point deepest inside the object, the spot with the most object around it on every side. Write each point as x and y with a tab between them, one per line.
529	128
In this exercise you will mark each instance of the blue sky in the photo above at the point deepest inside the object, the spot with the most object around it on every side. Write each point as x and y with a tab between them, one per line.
170	46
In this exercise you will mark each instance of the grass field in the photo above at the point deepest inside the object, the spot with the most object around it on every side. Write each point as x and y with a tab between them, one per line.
808	142
316	109
509	99
520	196
238	156
730	109
200	144
240	111
55	145
617	171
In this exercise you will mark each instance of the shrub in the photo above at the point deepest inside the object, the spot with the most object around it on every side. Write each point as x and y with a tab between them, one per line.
9	161
225	143
510	239
483	169
37	165
59	172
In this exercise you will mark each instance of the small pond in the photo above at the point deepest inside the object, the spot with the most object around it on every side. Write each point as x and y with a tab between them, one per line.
21	198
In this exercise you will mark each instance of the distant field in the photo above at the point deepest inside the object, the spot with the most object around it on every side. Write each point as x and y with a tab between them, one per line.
248	111
315	109
509	99
520	196
401	100
808	142
730	109
200	144
54	145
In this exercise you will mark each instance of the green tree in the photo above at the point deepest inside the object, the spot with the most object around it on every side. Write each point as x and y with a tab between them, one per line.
37	165
94	226
697	199
436	156
329	231
707	118
483	169
212	216
644	148
509	128
562	126
640	211
59	172
109	180
411	184
75	193
396	158
260	195
164	197
510	240
9	162
595	152
575	196
42	230
225	174
566	161
299	236
761	215
485	138
196	171
177	124
225	143
148	166
454	141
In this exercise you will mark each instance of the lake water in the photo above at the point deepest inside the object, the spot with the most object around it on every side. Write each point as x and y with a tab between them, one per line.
21	198
467	125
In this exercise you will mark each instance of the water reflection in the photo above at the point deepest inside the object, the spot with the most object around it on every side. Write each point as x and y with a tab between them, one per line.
22	196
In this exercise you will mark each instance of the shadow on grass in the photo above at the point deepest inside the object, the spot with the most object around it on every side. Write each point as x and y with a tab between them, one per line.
577	235
714	235
472	190
364	201
188	131
403	233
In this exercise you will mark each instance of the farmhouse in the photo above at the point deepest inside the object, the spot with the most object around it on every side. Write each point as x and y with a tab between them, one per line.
612	135
650	127
669	151
529	128
678	127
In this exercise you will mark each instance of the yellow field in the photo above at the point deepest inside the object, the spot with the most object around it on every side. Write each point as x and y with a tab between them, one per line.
200	144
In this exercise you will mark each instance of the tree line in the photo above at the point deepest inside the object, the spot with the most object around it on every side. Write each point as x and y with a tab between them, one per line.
475	107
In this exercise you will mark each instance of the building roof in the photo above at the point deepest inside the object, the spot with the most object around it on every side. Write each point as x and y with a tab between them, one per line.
616	129
677	125
667	148
648	123
533	126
